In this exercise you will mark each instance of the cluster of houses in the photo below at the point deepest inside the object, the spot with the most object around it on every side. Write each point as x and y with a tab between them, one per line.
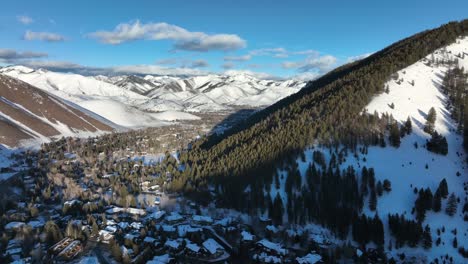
66	249
148	235
183	237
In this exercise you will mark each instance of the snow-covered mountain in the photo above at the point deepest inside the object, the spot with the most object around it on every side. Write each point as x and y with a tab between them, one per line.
412	165
28	113
134	101
205	93
412	95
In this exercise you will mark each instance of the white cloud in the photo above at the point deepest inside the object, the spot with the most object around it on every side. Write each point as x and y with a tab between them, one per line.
258	75
183	39
65	66
238	58
184	62
13	56
198	64
25	20
156	70
358	57
43	36
275	52
306	76
281	52
228	65
317	63
168	61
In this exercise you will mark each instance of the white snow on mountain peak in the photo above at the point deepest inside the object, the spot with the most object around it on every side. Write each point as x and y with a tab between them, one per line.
132	100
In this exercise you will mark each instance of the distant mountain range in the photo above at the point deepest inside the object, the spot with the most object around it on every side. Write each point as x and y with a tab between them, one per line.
130	101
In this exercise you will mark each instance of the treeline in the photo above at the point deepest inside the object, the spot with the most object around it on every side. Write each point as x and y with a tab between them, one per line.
455	86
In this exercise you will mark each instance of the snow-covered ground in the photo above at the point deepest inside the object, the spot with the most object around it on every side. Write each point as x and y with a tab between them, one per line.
405	166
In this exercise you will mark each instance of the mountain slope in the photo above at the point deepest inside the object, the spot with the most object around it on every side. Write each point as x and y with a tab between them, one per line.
133	99
27	112
305	155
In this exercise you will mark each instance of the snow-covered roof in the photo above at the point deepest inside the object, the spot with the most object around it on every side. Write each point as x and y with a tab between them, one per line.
72	202
310	258
224	222
157	215
136	225
212	246
246	236
149	239
14	225
267	258
129	236
192	246
172	243
174	216
272	228
202	218
36	224
110	222
182	230
111	229
163	259
273	246
168	228
123	225
133	211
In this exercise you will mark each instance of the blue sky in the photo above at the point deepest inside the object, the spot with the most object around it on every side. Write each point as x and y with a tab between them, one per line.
277	38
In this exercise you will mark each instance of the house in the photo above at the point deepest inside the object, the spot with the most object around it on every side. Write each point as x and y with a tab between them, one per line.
173	246
14	249
151	242
192	249
202	220
14	226
311	258
272	248
105	236
184	230
265	258
174	217
156	216
168	230
213	248
161	259
71	251
246	236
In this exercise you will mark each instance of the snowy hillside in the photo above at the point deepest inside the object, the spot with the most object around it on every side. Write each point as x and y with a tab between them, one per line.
130	101
412	94
206	93
31	114
405	166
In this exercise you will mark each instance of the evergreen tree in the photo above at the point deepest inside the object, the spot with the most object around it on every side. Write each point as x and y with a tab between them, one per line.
437	144
373	200
451	208
430	121
394	137
437	202
379	188
427	238
408	126
278	210
443	188
387	185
